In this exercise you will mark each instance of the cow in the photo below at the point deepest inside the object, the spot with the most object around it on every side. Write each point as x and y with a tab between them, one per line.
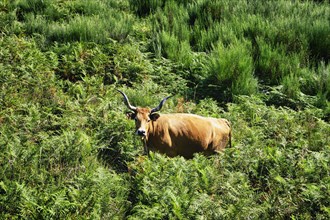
178	134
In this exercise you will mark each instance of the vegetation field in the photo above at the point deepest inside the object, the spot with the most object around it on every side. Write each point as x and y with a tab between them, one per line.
67	150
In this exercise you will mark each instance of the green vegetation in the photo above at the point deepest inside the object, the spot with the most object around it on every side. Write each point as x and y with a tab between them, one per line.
67	150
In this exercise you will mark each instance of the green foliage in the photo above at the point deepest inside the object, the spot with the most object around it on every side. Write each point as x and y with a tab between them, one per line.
166	69
233	64
50	139
131	64
278	46
143	8
291	86
67	150
96	21
189	189
280	152
79	59
88	29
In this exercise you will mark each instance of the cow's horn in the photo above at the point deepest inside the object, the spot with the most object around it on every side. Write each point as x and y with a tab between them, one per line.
127	101
159	107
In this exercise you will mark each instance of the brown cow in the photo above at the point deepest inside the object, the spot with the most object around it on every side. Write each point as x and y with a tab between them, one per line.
179	134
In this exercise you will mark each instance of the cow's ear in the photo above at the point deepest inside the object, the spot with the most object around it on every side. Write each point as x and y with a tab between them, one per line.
131	115
154	116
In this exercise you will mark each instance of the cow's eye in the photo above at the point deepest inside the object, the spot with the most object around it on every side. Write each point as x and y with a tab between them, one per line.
148	120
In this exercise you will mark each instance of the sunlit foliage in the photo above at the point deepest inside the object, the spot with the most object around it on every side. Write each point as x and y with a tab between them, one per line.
67	150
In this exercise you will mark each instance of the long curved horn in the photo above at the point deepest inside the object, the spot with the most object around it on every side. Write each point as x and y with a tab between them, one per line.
159	107
127	101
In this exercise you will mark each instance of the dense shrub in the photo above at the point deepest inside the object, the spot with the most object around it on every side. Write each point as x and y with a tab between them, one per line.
67	150
58	21
233	65
279	47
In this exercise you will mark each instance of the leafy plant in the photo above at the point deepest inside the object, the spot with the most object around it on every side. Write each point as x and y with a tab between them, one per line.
67	150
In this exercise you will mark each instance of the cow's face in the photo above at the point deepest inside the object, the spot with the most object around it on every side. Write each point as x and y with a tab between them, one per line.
142	117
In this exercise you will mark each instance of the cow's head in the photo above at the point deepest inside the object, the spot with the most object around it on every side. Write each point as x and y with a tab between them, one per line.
142	116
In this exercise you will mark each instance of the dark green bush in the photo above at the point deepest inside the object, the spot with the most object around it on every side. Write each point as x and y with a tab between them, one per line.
231	68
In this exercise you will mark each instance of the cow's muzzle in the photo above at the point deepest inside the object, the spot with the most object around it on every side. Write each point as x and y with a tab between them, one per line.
141	132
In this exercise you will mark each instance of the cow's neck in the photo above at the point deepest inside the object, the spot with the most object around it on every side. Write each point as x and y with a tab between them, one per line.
151	130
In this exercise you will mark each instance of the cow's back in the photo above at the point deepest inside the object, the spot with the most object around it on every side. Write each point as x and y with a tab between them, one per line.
222	135
186	134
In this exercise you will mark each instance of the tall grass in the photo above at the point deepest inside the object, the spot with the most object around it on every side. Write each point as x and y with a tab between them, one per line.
67	150
74	20
282	42
233	64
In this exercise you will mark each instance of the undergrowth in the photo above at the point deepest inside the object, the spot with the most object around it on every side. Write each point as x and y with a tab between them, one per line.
67	150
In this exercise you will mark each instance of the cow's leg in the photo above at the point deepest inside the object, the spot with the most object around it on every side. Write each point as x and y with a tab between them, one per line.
145	147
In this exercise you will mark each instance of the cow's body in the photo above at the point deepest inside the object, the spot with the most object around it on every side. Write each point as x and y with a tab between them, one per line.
186	134
179	134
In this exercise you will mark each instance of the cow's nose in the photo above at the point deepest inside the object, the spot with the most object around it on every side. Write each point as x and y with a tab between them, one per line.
141	132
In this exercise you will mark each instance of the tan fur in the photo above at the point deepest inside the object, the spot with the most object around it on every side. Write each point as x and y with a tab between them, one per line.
183	134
